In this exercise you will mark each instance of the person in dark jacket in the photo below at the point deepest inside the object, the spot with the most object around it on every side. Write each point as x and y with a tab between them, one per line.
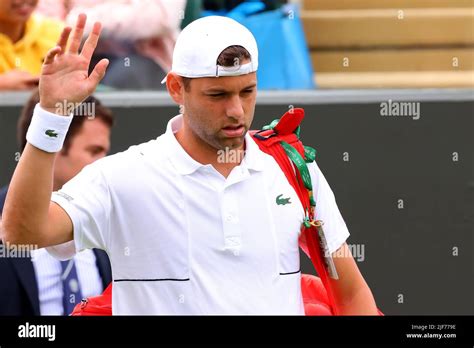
35	283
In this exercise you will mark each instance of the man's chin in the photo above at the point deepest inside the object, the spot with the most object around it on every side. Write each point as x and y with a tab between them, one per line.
232	143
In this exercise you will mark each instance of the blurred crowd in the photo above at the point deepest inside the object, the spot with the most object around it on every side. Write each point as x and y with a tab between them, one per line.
138	36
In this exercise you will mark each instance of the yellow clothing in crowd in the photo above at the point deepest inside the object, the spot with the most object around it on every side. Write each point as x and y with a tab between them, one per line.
41	34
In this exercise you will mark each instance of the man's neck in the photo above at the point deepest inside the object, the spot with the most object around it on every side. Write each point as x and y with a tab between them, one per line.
14	31
57	185
203	153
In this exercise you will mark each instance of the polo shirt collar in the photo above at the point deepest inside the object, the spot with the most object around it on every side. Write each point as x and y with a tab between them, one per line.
254	157
185	164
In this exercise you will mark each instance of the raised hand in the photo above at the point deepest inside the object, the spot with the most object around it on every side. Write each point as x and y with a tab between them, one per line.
64	77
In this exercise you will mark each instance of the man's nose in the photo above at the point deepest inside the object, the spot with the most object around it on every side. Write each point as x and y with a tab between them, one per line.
234	107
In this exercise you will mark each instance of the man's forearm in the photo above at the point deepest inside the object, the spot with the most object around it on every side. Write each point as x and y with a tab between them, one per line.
29	195
361	303
351	292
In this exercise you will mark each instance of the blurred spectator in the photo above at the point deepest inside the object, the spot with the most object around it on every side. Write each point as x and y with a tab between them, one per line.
138	37
24	41
40	285
228	5
192	12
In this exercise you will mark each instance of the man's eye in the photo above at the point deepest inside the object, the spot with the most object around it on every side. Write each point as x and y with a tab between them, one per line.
95	150
248	91
216	95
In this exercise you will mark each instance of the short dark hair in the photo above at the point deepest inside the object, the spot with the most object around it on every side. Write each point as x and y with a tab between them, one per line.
100	112
227	58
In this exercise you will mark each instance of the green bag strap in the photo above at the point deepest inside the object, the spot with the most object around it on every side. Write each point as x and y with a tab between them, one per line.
309	152
301	164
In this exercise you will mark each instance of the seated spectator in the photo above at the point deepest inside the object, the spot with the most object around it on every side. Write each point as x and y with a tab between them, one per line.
24	41
138	36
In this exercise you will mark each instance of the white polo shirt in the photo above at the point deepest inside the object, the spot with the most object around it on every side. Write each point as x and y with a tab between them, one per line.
182	239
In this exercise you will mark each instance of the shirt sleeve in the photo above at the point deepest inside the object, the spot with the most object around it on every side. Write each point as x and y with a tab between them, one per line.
335	228
86	199
65	251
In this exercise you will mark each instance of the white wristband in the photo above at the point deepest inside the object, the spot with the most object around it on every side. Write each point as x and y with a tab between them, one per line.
47	131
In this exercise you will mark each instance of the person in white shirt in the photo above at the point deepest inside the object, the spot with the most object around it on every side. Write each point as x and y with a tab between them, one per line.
186	232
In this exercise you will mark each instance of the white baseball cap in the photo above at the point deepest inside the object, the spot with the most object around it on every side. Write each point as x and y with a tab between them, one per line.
201	42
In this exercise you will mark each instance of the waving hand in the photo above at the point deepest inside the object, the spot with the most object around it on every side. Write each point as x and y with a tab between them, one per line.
64	76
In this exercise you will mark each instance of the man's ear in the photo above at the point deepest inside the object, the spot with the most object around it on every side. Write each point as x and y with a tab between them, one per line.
174	84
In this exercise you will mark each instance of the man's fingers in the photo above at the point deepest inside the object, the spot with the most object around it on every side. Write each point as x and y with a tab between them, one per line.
98	73
51	54
91	42
32	83
31	79
62	42
77	34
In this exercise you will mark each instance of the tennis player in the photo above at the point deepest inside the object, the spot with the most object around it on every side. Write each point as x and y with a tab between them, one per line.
187	230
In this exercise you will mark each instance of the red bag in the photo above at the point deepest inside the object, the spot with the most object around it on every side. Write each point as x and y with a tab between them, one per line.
97	305
317	300
315	297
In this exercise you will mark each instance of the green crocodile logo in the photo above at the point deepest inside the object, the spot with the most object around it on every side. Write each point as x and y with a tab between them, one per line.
51	133
282	201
